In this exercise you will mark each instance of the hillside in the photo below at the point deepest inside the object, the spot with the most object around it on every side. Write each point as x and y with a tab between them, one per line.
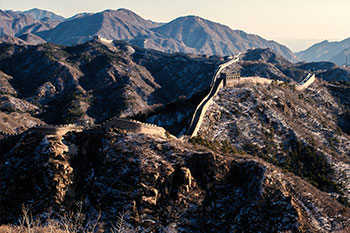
324	51
157	184
92	82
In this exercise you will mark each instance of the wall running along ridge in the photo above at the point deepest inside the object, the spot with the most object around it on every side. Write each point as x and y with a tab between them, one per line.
60	130
223	83
134	126
306	82
146	128
42	130
192	130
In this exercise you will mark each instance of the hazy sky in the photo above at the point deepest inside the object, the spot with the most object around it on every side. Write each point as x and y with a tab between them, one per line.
295	23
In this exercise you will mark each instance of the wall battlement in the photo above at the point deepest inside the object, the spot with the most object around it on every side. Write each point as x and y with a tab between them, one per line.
134	126
43	130
57	130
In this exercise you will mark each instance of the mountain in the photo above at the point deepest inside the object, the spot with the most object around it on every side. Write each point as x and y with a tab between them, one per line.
324	51
342	57
208	37
16	23
189	34
11	23
41	15
121	25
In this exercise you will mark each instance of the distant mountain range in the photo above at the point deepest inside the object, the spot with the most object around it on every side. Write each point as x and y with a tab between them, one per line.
327	51
39	14
16	24
189	34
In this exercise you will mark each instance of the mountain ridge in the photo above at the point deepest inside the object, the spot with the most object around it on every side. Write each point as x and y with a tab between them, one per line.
40	14
209	38
325	51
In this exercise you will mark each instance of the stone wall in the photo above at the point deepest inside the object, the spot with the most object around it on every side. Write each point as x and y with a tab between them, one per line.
134	126
42	130
220	83
205	106
58	130
246	80
216	84
305	83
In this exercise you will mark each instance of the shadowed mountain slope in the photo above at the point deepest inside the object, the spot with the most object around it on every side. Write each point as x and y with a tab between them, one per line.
96	80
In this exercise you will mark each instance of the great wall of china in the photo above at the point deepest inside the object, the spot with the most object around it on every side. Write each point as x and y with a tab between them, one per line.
146	128
124	124
224	82
42	130
134	126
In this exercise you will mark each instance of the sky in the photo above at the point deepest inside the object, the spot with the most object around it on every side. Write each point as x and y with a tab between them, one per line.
295	23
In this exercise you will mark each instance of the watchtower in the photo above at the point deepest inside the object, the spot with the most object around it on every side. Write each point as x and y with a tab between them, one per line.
227	77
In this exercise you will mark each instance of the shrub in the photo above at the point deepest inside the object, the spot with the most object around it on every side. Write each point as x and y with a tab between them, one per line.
215	145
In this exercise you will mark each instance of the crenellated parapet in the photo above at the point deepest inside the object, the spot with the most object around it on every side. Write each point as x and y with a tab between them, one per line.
56	130
43	130
6	135
134	126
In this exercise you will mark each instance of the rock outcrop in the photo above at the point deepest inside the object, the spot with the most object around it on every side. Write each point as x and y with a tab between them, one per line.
161	185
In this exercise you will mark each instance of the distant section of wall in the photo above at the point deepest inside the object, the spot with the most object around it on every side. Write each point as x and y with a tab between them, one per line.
57	130
246	80
135	126
306	82
43	130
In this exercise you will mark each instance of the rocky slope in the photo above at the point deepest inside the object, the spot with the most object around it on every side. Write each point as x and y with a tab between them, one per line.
160	185
299	132
268	159
324	51
258	62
